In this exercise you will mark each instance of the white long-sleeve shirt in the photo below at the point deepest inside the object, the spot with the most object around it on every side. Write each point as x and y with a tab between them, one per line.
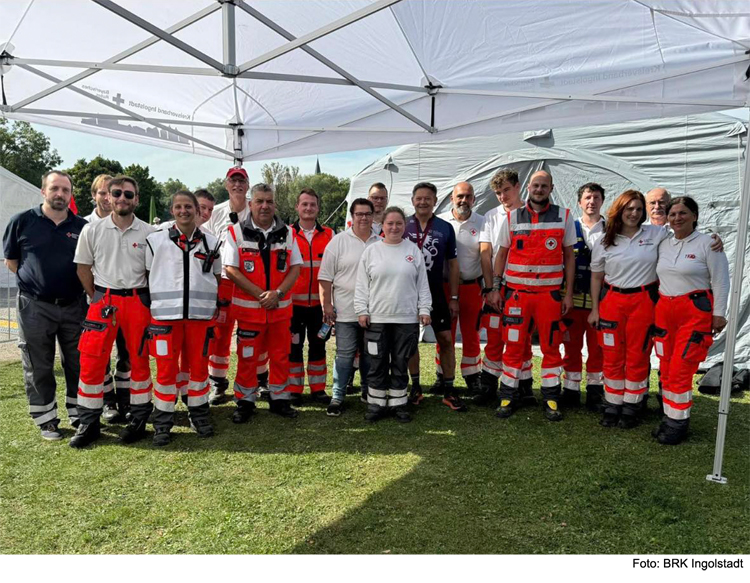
687	265
392	285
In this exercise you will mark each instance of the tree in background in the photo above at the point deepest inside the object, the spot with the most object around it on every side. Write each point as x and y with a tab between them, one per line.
332	191
83	174
172	185
216	187
283	179
26	152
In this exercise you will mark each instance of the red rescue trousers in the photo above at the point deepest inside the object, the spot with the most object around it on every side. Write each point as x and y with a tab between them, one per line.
682	337
522	308
469	306
221	347
625	320
108	314
578	328
254	340
174	343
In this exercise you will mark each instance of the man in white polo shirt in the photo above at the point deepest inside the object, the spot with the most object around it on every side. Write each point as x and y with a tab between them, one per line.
468	227
111	258
337	279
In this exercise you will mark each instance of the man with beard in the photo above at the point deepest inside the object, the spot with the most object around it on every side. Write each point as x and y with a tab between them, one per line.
111	258
378	196
467	225
39	245
535	257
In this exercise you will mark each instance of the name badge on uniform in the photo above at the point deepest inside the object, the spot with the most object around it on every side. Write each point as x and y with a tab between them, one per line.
249	266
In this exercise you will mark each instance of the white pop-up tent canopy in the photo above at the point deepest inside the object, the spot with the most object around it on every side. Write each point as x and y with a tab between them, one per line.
16	195
698	155
258	80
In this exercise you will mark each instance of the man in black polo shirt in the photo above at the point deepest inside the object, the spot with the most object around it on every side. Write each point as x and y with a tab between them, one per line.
39	245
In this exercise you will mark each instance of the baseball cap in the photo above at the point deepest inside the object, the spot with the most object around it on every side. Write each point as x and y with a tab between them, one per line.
235	170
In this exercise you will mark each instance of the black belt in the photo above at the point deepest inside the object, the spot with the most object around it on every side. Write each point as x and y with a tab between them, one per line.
632	290
122	292
50	300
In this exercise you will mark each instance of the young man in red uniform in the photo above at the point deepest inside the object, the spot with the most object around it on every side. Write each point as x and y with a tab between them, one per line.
307	315
262	259
536	256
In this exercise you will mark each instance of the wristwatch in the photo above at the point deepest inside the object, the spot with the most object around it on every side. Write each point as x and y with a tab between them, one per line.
486	290
454	298
281	294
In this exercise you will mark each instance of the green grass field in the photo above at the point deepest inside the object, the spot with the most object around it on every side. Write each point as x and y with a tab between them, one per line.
446	483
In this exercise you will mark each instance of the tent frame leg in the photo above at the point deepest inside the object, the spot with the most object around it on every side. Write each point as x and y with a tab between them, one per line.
732	319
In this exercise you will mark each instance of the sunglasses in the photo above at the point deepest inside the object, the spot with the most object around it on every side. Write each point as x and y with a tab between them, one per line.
129	194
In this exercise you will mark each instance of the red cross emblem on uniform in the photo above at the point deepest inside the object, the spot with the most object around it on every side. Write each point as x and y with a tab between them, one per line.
135	245
410	258
473	232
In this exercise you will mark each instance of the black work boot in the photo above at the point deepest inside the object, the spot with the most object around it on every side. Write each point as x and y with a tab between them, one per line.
85	435
110	413
552	411
375	413
219	388
570	399
439	387
283	408
594	398
525	387
674	432
609	419
162	437
202	426
401	414
628	421
243	412
134	431
488	390
506	409
473	385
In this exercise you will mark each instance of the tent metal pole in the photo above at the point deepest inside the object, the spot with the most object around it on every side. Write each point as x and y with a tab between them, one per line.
237	140
228	37
732	320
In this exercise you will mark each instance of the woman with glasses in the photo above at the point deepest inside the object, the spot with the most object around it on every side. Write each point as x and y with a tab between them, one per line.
392	297
693	294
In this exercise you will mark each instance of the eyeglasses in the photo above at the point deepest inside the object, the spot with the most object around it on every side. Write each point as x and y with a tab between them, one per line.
362	215
237	180
129	194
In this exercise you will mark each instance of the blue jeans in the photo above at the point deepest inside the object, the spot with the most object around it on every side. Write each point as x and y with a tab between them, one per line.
349	338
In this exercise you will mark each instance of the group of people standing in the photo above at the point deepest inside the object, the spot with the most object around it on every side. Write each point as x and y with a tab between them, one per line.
177	293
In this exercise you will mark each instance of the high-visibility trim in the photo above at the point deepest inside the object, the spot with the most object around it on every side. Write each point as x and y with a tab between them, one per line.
47	417
535	227
42	408
285	303
571	385
90	401
242	393
613	398
508	380
279	392
218	373
300	297
594	378
297	381
314	366
138	386
316	379
70	401
631	397
253	304
675	413
178	295
162	313
470	370
686	397
535	268
140	398
164	404
165	389
614	384
397	393
494	367
470	360
553	281
573	375
297	370
93	389
635	386
514	372
550	381
377	392
397	402
122	374
108	386
376	401
218	359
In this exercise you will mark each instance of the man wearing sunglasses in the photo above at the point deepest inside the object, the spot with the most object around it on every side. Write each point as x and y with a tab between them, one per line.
111	258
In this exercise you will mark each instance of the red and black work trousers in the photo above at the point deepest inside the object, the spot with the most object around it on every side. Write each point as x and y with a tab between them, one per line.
254	340
682	337
306	322
110	311
578	329
523	310
626	317
469	306
175	342
221	347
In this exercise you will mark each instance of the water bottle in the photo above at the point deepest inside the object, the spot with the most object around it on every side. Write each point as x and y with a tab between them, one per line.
325	331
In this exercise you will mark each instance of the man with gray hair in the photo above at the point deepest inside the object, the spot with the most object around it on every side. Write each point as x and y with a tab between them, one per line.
657	200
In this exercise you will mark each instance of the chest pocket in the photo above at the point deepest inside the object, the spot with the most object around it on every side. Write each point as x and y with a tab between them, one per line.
249	260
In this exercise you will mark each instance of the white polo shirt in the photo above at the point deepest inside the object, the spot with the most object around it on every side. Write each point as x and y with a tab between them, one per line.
118	258
631	261
491	230
339	266
593	234
687	265
468	233
93	217
219	222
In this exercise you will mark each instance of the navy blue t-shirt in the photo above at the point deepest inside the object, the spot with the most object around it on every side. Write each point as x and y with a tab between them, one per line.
44	252
438	244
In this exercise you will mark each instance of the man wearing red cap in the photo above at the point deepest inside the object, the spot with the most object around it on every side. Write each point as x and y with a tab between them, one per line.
233	211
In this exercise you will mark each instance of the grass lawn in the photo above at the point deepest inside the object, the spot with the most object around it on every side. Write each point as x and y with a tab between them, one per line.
446	483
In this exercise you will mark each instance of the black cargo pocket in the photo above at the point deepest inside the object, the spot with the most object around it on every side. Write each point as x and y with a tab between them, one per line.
657	336
555	293
160	342
207	341
701	302
373	342
145	299
697	346
246	343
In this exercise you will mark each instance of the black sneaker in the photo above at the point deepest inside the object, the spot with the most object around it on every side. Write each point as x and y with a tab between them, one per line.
335	408
320	397
506	409
50	432
134	431
454	403
551	412
161	437
609	420
202	427
628	422
402	415
283	408
85	435
110	413
243	412
570	399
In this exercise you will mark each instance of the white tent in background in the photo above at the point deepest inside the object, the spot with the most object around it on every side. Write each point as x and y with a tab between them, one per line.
697	155
257	80
16	195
